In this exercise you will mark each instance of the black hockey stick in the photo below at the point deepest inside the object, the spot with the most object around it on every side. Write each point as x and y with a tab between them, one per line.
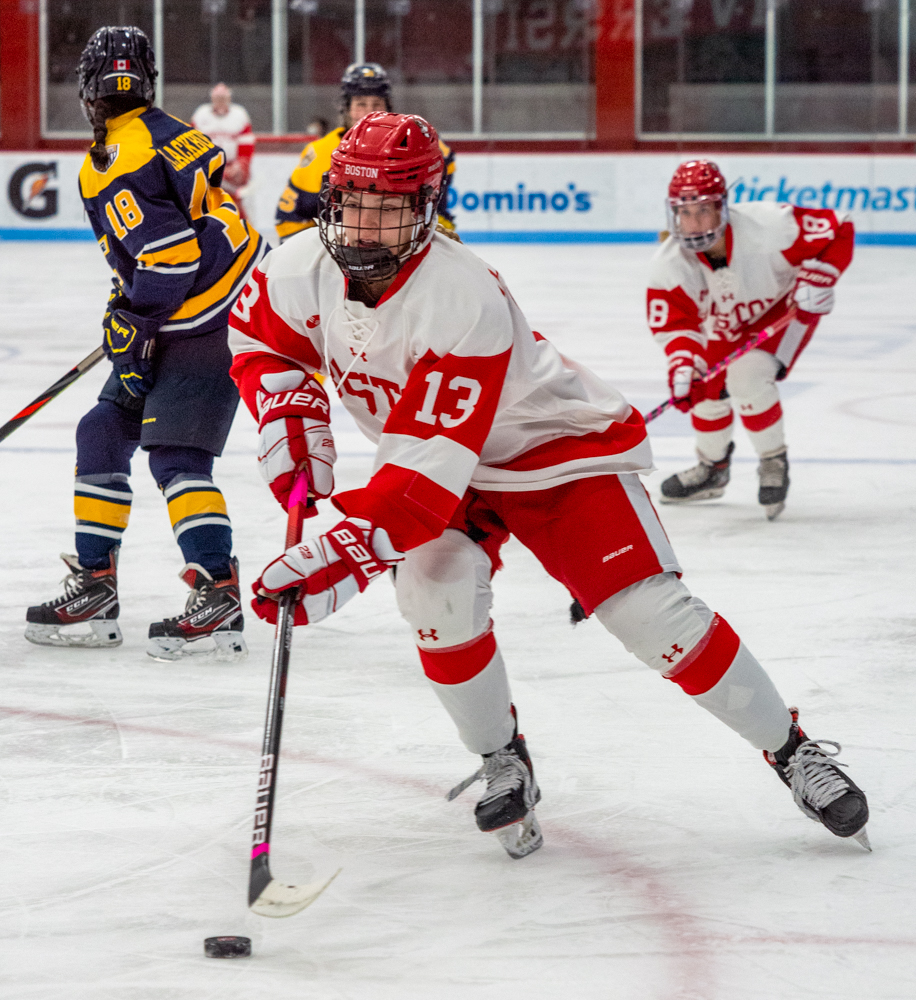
49	394
266	896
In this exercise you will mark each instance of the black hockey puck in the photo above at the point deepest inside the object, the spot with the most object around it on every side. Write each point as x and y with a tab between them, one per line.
227	947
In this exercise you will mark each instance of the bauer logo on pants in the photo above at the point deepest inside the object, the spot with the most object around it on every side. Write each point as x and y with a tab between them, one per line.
32	190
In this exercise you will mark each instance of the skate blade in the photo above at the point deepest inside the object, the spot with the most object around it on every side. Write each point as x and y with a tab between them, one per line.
279	900
521	839
702	495
862	838
773	510
226	647
103	632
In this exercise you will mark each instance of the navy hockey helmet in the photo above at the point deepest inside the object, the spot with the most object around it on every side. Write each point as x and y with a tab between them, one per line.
117	61
364	79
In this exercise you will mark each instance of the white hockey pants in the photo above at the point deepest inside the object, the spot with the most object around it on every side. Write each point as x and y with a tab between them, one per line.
443	591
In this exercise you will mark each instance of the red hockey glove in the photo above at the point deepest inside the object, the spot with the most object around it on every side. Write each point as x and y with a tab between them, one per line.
295	434
814	293
685	368
330	569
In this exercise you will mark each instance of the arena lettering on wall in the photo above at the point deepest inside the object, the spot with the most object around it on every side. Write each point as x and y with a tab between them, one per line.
547	197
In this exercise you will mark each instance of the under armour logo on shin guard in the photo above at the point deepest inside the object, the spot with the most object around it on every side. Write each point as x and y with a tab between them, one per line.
676	650
431	634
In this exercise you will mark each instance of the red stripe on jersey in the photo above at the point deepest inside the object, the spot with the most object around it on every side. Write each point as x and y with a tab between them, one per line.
621	436
410	507
403	274
254	316
708	662
246	372
707	426
452	397
668	311
761	421
458	663
821	235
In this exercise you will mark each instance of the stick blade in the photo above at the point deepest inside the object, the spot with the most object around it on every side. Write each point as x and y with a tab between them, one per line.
279	900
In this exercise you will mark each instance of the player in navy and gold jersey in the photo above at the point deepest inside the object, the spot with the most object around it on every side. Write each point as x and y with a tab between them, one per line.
180	254
364	88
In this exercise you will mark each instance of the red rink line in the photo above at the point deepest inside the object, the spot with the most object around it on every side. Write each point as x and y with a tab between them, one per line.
690	943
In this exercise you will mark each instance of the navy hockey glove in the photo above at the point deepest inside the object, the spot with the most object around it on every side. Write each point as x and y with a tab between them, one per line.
130	342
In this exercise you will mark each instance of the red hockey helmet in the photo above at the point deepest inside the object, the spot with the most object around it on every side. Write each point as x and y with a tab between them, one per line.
361	224
693	183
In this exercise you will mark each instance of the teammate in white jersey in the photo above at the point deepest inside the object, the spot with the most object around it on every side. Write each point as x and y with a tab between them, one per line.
483	429
722	276
229	126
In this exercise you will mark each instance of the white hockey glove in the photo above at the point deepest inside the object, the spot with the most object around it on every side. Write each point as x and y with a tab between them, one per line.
295	434
330	569
684	371
814	287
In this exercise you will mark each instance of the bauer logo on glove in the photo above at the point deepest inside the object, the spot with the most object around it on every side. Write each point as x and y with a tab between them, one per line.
120	333
294	413
329	570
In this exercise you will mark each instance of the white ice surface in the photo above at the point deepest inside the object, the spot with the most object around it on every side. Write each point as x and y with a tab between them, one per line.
675	864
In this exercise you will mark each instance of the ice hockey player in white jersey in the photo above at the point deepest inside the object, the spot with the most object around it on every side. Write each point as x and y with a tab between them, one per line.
229	126
482	430
721	277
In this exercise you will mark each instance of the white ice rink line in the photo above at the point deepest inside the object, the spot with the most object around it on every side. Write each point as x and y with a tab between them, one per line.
675	866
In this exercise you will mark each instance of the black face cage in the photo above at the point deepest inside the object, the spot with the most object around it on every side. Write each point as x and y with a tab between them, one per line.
364	254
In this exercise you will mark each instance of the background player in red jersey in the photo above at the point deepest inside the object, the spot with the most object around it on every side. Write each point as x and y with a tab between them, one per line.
229	126
721	276
483	429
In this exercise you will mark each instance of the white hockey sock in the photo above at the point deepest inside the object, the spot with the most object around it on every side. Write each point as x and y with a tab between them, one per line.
713	422
751	383
675	633
470	680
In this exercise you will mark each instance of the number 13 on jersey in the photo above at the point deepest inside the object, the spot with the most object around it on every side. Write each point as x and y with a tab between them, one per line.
468	390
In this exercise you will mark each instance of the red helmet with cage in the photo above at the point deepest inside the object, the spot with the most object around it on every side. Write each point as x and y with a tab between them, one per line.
694	183
382	157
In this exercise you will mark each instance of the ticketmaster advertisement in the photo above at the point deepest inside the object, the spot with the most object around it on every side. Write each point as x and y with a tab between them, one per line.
543	197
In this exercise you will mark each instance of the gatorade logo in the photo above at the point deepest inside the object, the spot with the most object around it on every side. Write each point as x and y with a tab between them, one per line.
32	190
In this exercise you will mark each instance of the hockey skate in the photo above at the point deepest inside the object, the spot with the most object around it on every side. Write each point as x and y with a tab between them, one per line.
507	806
213	611
774	484
90	597
706	481
819	787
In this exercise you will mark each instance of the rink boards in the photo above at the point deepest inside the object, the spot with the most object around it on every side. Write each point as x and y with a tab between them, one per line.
525	197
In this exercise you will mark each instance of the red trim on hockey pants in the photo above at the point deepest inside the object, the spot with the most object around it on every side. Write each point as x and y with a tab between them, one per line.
708	662
458	664
760	421
707	426
587	533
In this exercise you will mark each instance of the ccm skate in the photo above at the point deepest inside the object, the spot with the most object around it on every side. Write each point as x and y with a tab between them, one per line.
774	484
507	806
820	789
90	598
706	481
213	611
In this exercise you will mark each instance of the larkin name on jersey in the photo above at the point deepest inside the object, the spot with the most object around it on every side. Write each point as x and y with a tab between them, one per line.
444	374
690	303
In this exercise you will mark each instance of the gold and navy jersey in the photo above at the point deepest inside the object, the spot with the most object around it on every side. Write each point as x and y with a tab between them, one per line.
298	206
170	233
